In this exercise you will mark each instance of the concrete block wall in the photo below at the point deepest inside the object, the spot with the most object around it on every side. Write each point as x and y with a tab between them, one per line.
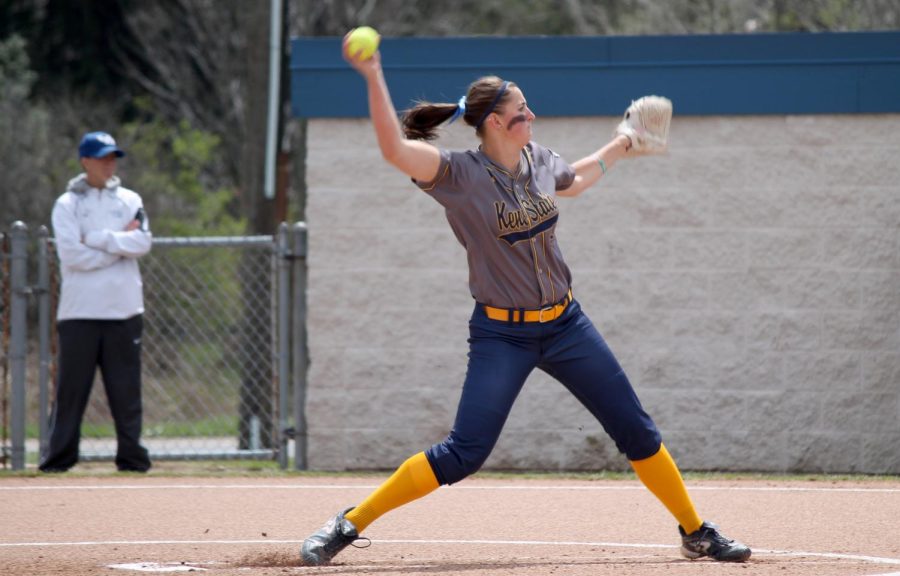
749	283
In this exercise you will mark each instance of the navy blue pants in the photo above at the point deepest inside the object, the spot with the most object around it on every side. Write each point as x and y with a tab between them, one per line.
114	346
502	355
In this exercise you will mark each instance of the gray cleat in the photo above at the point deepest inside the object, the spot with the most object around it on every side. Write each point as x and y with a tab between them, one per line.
327	541
708	541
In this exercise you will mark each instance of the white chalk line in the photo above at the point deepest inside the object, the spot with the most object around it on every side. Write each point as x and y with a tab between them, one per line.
607	488
790	553
635	487
159	567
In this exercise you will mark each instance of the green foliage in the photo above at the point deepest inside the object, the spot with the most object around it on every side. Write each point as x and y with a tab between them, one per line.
24	138
591	17
211	427
16	76
531	18
833	15
177	169
174	168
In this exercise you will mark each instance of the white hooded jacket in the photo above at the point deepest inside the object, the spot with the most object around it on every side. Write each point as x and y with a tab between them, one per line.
98	258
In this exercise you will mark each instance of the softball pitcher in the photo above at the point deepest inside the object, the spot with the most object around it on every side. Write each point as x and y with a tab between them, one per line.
501	202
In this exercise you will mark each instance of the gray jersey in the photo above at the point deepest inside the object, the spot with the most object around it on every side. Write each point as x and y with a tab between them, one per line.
507	224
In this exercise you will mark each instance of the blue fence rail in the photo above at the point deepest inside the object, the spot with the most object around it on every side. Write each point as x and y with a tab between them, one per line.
826	73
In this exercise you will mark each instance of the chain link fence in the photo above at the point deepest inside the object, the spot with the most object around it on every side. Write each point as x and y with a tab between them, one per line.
223	350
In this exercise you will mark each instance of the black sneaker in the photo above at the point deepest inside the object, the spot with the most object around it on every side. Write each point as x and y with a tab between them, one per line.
334	536
708	541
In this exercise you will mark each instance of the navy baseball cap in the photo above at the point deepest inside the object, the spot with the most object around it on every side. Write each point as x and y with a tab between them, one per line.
98	145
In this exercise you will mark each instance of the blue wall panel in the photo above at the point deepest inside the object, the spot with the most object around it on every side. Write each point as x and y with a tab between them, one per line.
585	76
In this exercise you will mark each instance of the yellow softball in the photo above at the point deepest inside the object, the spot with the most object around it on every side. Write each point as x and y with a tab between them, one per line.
364	41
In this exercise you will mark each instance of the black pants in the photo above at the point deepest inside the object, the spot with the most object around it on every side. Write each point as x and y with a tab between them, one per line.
114	346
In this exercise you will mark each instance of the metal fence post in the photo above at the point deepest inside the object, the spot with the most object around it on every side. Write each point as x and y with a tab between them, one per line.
18	337
43	300
284	344
298	329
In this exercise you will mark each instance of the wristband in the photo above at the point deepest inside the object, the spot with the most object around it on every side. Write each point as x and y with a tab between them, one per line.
602	164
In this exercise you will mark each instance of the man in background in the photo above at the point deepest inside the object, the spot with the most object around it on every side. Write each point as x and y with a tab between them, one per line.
101	231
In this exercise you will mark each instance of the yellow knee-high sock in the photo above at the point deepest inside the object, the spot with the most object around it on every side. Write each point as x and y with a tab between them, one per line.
413	479
660	475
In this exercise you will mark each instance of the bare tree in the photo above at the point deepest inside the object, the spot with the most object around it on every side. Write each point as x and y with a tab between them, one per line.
22	138
830	15
589	17
206	62
190	59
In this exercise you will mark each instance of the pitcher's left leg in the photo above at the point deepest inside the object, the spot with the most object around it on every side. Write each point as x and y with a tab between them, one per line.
578	357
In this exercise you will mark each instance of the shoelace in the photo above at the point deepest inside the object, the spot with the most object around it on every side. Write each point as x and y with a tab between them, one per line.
714	535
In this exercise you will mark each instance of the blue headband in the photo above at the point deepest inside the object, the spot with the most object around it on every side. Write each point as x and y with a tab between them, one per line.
460	109
493	104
